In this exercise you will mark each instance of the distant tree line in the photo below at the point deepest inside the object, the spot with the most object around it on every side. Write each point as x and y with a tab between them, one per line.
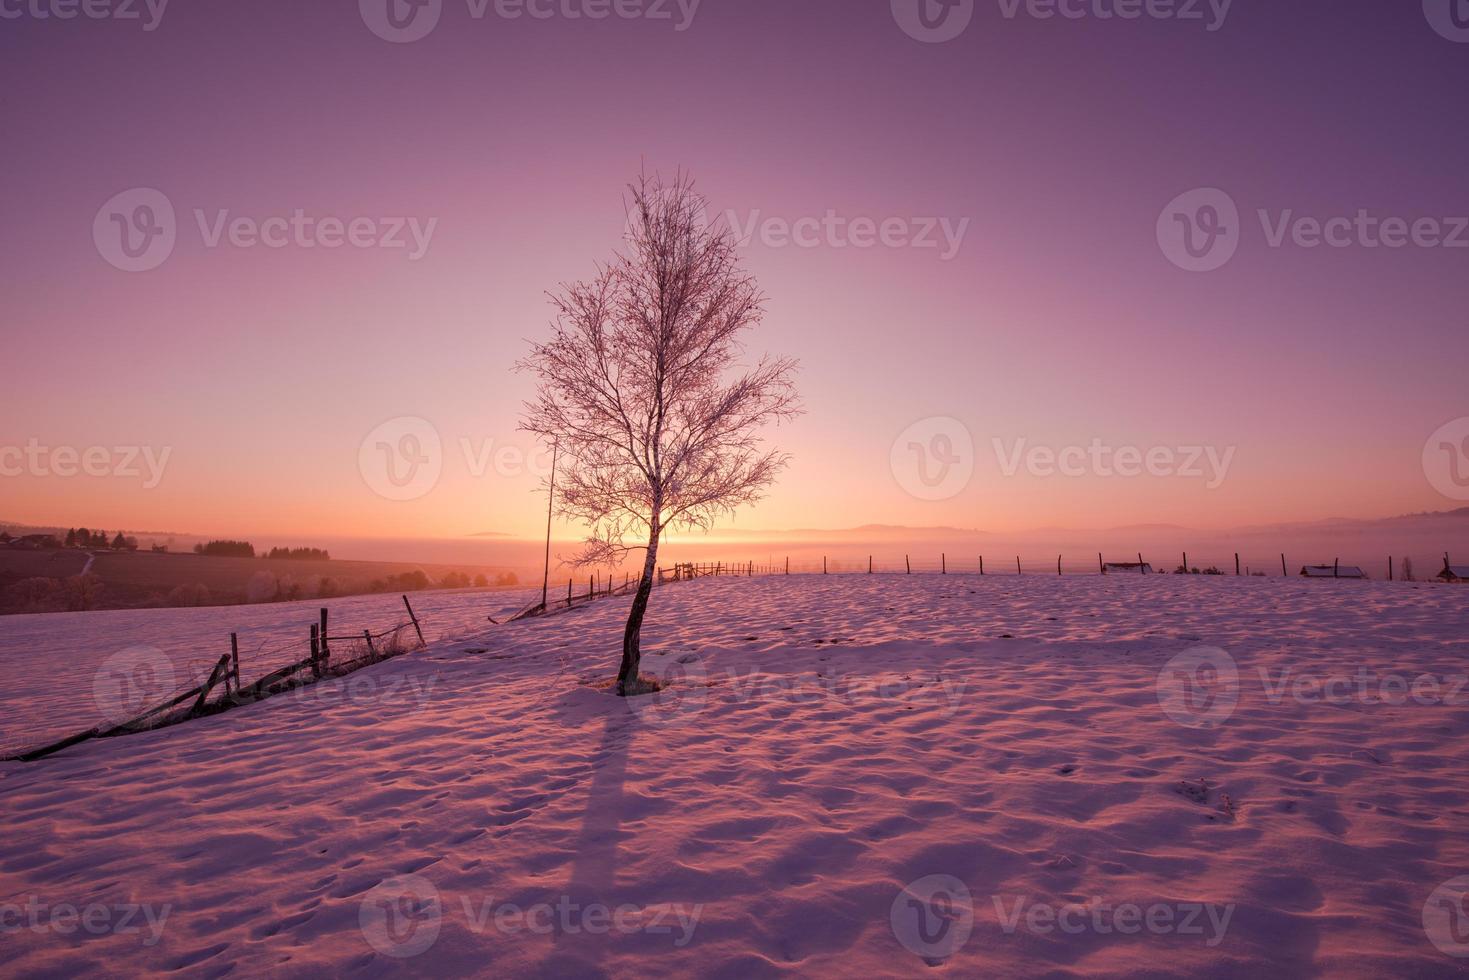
300	554
81	537
226	549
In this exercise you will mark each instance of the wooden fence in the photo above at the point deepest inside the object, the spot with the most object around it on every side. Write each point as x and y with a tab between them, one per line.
366	648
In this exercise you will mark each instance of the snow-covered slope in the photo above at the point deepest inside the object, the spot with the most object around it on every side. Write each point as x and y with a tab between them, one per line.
848	776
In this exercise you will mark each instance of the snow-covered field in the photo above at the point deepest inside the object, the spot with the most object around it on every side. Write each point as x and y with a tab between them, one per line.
858	776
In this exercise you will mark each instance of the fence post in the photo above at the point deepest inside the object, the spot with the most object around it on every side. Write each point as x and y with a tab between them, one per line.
1142	569
1185	563
234	661
416	628
367	635
315	650
1236	563
1017	566
943	564
823	564
220	670
908	564
1058	564
788	564
1389	568
326	647
869	564
568	592
981	564
1101	566
1336	568
1283	572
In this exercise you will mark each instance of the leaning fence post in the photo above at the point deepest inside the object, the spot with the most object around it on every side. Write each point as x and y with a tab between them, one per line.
367	635
1140	566
1283	572
234	661
215	675
416	627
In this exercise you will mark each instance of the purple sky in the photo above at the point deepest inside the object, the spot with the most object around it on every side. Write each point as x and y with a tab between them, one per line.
1057	319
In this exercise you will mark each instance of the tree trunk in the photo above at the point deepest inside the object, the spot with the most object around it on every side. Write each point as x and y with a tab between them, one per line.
632	654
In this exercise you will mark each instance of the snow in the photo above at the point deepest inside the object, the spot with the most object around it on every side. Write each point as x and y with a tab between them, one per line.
829	750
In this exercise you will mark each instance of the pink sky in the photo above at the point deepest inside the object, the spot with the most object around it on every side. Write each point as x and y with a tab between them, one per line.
1059	321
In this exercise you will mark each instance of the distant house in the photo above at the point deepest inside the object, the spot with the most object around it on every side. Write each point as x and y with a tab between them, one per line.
1452	572
35	542
1332	571
1135	568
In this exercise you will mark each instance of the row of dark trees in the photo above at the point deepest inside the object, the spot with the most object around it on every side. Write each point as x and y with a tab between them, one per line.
300	554
226	549
81	537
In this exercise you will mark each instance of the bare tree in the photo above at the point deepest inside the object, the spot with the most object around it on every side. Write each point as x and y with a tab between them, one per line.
644	389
